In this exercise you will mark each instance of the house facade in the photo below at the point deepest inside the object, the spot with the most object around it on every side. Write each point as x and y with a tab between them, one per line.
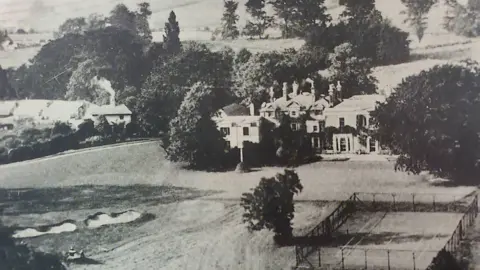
239	124
114	114
351	119
304	108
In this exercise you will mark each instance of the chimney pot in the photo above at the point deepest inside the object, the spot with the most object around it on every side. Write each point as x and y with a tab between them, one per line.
285	90
252	109
295	87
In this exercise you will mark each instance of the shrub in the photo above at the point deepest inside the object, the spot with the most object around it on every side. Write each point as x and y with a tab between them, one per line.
270	205
20	153
61	128
86	129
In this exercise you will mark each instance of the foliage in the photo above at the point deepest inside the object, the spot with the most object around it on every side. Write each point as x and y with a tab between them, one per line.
309	14
229	20
167	85
270	205
354	73
462	20
82	85
141	21
431	120
6	89
72	26
417	11
86	129
103	127
171	40
61	128
121	17
194	139
254	78
284	9
260	20
371	35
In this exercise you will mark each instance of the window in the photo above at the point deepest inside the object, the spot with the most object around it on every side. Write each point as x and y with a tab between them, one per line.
121	117
373	147
316	142
293	126
315	128
269	114
246	131
294	113
343	145
225	131
341	122
227	145
254	124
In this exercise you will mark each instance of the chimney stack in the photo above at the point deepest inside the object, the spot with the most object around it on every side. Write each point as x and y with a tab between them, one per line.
312	89
272	94
112	100
295	87
339	91
331	94
252	109
285	90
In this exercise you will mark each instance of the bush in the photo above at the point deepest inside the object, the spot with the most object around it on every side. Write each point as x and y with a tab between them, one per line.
20	153
86	129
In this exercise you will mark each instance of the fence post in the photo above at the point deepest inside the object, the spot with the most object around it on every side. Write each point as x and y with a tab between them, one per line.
434	203
414	266
394	206
388	258
413	201
319	256
366	259
343	261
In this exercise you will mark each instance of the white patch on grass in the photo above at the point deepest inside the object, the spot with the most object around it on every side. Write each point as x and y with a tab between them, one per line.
105	219
30	232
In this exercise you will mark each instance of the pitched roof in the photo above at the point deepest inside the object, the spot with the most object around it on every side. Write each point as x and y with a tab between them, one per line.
236	110
110	110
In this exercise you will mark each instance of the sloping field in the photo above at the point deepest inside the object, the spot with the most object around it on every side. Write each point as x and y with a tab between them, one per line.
191	224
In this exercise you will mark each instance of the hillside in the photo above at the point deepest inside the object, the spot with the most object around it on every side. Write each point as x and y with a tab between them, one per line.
198	18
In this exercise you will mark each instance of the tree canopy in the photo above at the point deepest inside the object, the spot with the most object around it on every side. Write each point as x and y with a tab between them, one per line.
433	121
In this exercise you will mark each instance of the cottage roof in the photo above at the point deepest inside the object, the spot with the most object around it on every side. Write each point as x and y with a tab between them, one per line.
110	110
62	110
357	103
304	100
31	107
236	110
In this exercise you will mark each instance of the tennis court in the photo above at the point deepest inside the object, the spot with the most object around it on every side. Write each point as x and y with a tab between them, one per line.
377	240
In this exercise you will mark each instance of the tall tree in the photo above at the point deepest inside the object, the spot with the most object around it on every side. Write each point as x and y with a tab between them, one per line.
260	20
417	11
354	73
433	120
194	139
171	39
121	17
309	14
359	11
6	89
285	10
143	27
229	20
72	26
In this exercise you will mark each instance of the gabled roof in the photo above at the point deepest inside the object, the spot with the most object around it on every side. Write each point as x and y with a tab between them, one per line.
236	110
110	110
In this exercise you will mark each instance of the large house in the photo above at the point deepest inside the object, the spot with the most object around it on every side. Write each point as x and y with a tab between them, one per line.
303	108
354	113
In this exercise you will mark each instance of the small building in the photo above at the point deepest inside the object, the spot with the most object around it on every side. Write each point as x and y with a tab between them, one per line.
115	114
351	118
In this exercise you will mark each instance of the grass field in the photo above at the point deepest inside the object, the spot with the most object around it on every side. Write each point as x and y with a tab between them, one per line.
193	218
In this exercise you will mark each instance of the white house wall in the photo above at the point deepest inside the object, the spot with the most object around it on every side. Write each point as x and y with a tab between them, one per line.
116	119
236	137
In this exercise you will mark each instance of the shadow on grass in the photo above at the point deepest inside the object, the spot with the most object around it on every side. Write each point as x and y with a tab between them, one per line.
364	239
86	261
23	201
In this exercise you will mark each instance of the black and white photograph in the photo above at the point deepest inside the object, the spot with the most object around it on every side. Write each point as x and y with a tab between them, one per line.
239	134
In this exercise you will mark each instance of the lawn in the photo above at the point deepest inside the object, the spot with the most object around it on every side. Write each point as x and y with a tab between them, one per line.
193	220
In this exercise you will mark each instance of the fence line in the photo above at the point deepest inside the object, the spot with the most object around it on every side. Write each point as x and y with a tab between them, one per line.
414	202
468	219
325	229
391	258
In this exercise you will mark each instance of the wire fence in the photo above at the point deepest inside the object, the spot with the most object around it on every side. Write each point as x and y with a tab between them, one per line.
415	202
354	257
